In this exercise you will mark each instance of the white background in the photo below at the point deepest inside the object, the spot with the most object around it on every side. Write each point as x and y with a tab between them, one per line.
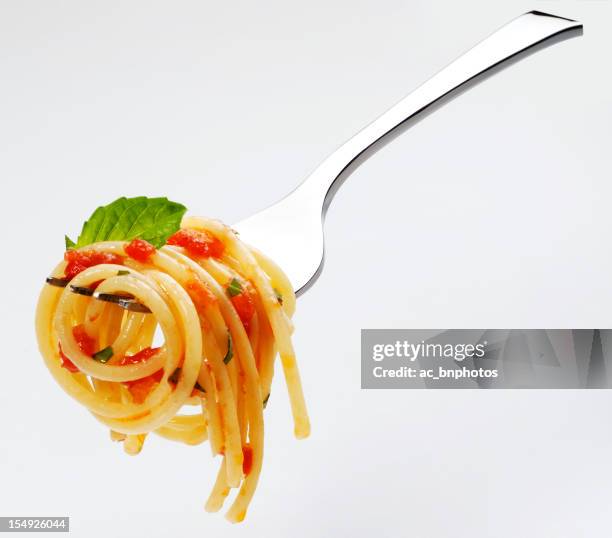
493	212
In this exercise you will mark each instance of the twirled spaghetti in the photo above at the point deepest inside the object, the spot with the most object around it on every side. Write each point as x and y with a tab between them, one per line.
224	312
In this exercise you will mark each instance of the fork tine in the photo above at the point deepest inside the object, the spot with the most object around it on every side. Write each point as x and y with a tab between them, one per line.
126	302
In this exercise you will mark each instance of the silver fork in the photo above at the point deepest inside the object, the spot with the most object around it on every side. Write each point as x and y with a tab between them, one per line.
291	230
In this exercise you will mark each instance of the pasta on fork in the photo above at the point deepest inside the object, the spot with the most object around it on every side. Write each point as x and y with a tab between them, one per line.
223	310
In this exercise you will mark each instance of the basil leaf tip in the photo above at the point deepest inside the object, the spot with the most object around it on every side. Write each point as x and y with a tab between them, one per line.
103	355
234	288
150	219
69	242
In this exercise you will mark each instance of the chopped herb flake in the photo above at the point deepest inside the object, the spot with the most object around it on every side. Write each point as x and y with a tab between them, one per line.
103	355
279	296
265	402
199	387
234	288
174	377
122	273
230	351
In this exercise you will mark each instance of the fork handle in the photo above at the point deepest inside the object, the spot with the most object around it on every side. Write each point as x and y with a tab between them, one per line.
514	41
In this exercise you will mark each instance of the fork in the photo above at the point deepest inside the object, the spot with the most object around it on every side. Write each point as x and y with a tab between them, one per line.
291	230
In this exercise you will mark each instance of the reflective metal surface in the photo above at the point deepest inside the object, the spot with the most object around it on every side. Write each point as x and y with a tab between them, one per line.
291	231
125	301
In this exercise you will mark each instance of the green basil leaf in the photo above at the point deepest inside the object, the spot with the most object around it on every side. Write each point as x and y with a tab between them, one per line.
103	355
230	350
234	288
151	219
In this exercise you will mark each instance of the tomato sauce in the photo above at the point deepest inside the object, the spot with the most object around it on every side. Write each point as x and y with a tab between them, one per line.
198	243
86	344
200	294
79	260
140	250
140	388
247	459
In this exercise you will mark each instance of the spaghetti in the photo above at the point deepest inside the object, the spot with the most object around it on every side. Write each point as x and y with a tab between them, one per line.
224	311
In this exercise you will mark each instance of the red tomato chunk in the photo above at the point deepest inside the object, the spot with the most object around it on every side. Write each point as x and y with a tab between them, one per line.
85	342
140	250
79	260
198	243
66	362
